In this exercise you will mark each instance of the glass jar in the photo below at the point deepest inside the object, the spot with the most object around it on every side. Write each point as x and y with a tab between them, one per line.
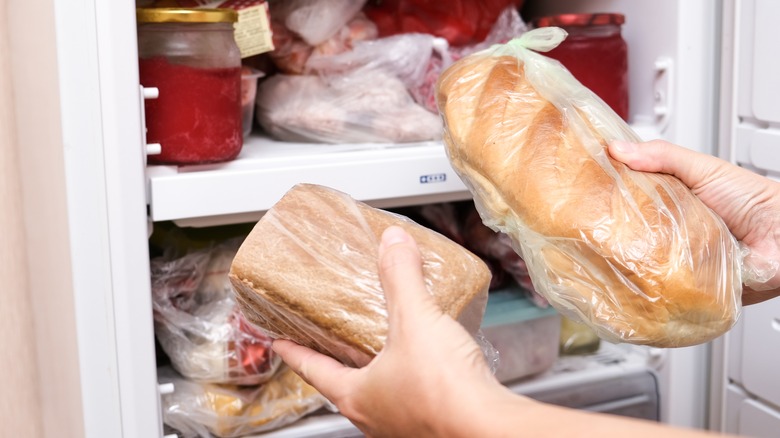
595	53
191	56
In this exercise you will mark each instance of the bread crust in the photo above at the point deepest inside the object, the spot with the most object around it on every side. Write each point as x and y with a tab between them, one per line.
308	272
636	256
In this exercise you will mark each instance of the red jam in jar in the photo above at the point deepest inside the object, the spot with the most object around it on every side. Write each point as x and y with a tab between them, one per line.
191	57
595	53
197	117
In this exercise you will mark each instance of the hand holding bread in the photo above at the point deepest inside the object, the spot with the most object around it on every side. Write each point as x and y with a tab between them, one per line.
637	256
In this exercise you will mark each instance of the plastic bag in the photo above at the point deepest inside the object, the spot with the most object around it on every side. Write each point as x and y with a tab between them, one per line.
461	223
291	52
206	410
308	272
508	25
315	21
460	22
350	108
198	324
608	246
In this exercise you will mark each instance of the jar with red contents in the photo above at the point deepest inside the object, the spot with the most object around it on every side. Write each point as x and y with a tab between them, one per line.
191	57
595	53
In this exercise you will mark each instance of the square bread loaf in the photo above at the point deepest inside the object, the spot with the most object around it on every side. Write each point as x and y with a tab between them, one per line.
308	272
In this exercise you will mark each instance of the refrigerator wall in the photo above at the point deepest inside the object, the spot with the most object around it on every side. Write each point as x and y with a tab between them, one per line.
746	388
112	199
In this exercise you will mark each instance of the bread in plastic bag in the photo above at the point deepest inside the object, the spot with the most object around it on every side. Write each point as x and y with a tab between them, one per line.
634	255
206	410
198	324
308	272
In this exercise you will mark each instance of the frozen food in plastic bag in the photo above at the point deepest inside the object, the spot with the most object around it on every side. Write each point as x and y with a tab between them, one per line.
198	324
206	410
461	22
315	21
291	53
508	25
350	108
634	255
308	272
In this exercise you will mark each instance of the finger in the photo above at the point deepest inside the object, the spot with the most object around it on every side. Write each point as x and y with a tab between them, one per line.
322	372
664	157
401	274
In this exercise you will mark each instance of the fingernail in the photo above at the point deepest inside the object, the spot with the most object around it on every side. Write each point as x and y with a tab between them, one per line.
623	147
393	235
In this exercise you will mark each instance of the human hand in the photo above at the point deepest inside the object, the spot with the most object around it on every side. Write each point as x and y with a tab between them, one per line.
430	373
748	203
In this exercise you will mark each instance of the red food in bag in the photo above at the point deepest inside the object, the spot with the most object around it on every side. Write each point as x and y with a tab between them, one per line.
460	22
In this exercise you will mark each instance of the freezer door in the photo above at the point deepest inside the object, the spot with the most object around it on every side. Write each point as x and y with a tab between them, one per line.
761	351
756	99
757	420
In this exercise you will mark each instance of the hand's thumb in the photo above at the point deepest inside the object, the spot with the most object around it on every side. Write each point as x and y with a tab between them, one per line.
660	156
401	274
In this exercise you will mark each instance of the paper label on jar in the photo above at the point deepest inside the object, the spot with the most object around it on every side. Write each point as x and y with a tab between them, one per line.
253	29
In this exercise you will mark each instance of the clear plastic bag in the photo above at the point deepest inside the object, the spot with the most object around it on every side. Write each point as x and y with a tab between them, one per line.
352	108
315	21
292	52
205	410
634	255
308	272
461	22
198	323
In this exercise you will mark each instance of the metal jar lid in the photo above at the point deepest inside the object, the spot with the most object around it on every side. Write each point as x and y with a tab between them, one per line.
184	15
568	20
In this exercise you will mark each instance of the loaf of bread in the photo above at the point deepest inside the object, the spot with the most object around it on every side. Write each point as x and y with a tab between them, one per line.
637	256
308	272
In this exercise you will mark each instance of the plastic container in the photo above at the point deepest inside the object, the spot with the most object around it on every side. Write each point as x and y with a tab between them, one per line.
191	56
249	77
595	53
526	336
577	338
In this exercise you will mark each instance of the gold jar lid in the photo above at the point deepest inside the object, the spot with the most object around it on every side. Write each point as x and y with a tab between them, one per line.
184	15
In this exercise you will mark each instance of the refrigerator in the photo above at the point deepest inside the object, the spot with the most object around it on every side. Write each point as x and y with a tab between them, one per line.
699	77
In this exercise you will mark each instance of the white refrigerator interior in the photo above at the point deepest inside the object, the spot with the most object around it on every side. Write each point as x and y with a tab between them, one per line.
114	201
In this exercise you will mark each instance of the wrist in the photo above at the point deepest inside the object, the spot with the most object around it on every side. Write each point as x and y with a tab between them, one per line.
479	411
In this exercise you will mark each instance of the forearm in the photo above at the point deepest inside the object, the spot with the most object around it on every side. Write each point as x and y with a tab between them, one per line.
504	414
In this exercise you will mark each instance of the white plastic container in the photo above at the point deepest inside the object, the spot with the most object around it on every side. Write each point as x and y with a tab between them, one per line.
526	336
249	78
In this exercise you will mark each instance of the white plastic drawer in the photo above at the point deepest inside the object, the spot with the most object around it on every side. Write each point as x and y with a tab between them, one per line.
757	420
761	350
766	63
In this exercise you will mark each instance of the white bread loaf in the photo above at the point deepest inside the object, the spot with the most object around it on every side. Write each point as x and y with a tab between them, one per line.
636	256
308	272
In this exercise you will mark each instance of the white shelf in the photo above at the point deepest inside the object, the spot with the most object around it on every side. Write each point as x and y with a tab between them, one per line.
239	191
